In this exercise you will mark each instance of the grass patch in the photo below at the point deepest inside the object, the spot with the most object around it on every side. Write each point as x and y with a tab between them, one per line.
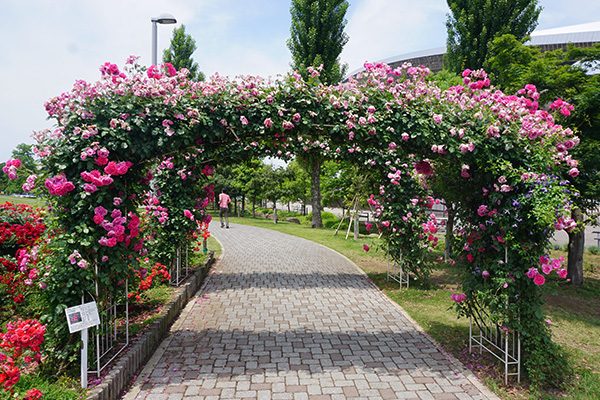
63	388
214	245
35	201
575	312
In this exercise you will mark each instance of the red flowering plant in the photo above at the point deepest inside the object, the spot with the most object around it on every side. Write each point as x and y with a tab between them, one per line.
21	229
145	276
20	350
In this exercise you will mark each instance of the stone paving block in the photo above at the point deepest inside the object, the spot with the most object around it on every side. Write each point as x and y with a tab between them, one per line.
283	318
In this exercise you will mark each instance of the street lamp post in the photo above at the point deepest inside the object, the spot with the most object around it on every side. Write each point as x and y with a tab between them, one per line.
161	19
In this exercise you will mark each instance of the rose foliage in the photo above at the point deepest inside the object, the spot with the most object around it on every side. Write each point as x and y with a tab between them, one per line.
150	139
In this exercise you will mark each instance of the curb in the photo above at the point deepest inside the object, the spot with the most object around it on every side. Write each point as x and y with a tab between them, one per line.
143	347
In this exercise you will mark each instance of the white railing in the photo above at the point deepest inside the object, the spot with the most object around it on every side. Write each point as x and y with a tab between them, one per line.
497	340
503	344
396	272
108	341
180	266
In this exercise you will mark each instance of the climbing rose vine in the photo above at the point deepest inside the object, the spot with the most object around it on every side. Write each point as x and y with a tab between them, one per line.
151	138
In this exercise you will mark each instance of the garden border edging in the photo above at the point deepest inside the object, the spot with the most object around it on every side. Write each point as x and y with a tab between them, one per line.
144	347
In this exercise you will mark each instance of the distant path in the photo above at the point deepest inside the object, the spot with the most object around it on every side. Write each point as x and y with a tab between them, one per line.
285	318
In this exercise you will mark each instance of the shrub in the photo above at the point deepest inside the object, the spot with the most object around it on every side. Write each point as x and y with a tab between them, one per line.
595	250
330	220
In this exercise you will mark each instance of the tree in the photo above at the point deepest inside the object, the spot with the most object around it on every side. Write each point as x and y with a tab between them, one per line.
561	74
273	189
297	185
244	174
317	39
29	165
180	53
473	24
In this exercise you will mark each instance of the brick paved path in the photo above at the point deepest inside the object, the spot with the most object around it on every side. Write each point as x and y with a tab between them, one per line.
283	318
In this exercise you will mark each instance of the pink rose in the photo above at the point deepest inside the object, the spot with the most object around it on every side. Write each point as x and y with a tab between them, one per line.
458	297
424	168
482	210
268	123
539	280
366	247
171	71
188	214
574	172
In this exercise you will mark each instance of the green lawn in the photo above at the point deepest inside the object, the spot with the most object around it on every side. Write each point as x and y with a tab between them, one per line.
575	312
36	202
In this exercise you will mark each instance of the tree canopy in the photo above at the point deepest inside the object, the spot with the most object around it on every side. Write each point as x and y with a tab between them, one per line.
318	38
473	24
180	51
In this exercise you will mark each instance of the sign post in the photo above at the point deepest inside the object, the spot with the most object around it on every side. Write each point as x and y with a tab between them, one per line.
80	318
84	358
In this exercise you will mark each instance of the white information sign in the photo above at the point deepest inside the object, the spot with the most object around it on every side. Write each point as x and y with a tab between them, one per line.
82	316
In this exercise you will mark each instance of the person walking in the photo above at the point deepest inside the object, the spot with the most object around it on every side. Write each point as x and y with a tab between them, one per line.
224	201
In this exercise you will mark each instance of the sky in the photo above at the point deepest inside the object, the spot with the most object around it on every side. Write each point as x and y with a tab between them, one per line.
45	45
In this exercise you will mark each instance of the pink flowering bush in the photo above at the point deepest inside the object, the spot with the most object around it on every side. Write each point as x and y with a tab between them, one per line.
151	138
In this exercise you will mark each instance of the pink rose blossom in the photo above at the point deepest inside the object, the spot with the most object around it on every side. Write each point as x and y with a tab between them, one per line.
458	297
574	172
562	273
188	214
539	280
59	185
482	210
424	168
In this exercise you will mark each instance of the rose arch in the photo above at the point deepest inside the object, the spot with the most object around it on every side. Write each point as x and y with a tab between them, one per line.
150	139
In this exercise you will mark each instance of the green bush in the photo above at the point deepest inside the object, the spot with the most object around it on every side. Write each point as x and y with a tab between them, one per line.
560	247
330	220
595	250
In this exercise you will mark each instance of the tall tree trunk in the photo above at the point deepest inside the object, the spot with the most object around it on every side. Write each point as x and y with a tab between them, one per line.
315	188
274	212
235	210
253	207
289	209
243	204
576	248
449	230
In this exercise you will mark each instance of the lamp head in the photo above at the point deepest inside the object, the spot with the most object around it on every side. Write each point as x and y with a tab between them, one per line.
164	19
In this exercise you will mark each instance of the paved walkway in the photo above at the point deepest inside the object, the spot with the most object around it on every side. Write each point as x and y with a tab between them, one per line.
283	318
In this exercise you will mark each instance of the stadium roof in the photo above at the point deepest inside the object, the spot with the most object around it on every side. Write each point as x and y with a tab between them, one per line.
582	33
